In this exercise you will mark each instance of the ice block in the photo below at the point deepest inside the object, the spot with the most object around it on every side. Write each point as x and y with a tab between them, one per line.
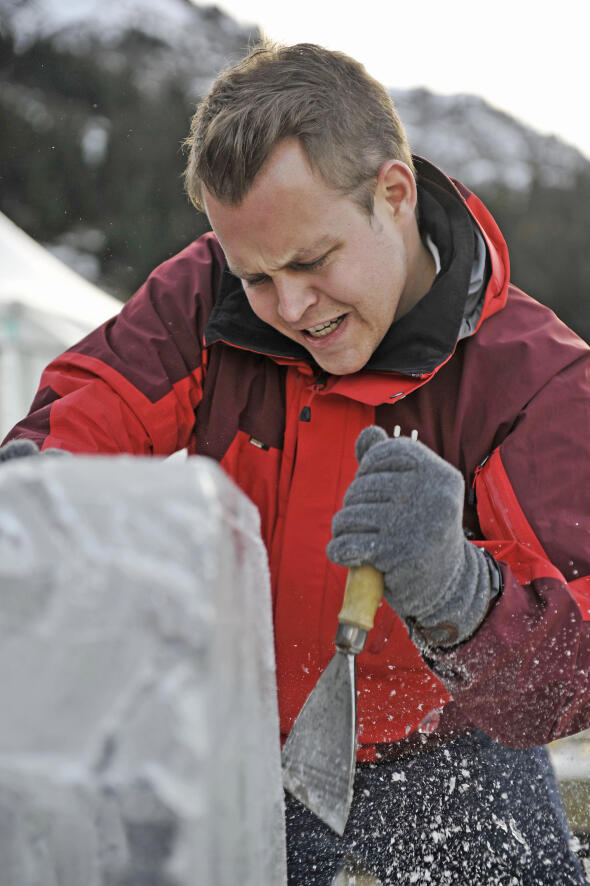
139	737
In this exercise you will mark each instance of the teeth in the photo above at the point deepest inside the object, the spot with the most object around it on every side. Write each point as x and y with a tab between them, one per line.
324	328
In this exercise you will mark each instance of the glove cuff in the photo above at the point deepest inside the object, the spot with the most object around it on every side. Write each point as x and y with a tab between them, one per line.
479	582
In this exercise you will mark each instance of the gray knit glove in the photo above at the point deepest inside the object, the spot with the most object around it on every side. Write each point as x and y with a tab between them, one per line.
403	515
23	448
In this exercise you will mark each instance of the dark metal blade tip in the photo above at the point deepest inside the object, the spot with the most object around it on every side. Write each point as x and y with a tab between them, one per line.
334	817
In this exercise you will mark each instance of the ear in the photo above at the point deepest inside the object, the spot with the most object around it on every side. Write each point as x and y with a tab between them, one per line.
397	186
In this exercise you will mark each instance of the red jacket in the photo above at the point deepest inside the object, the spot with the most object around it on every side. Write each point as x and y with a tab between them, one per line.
500	389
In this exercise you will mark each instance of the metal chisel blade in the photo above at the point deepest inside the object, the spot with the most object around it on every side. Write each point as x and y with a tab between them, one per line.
319	755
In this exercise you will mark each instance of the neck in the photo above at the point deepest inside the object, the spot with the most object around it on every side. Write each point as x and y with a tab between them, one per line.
421	273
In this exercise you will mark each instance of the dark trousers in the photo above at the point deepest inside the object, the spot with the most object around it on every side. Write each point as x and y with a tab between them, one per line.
469	813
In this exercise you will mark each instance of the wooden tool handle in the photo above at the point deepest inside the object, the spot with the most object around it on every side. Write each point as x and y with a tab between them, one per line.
362	595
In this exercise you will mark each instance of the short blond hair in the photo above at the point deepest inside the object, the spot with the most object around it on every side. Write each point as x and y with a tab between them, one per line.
345	121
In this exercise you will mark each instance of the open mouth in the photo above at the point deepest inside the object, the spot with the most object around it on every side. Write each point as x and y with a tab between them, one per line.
323	329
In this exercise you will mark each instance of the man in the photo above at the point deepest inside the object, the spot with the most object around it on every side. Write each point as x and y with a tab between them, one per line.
350	288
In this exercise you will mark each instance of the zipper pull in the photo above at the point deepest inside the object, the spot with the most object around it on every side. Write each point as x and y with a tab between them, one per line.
397	432
476	473
320	382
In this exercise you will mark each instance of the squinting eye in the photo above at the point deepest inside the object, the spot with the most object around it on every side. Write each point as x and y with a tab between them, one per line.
315	265
256	281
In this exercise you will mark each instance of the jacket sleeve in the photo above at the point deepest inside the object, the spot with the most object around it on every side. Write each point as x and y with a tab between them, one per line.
523	678
134	383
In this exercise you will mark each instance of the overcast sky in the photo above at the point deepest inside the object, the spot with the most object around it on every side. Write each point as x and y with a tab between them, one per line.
530	59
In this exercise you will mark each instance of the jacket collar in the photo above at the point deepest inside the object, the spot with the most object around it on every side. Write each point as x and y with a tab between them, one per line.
422	339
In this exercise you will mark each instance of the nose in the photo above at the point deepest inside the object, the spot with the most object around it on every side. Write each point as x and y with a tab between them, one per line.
294	297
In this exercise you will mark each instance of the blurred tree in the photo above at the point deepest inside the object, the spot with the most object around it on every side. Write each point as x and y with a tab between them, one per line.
547	233
84	149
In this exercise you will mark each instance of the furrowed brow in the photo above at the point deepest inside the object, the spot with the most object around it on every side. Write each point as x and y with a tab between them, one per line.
310	252
299	257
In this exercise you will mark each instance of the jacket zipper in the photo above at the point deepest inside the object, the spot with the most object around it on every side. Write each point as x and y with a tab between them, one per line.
471	498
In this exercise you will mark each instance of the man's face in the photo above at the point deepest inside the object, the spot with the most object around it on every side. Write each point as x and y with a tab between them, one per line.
313	264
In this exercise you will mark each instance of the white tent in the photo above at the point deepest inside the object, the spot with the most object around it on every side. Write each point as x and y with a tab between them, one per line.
44	308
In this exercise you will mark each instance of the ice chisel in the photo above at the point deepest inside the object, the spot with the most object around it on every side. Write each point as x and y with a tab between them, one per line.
320	753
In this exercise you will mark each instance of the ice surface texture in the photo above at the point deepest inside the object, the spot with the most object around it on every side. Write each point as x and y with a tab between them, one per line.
139	738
